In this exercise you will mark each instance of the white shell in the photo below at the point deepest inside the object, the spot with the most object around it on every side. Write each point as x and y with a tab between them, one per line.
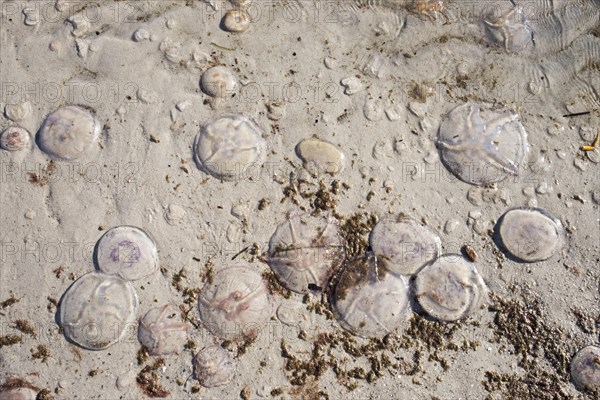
368	301
128	252
68	132
15	138
530	234
18	394
236	20
230	147
405	244
236	305
585	368
96	310
213	366
305	250
450	288
319	156
219	82
162	330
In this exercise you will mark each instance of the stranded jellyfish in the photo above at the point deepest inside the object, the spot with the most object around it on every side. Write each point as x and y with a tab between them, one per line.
236	305
369	301
450	288
213	366
585	369
14	138
126	251
162	330
480	144
405	244
305	250
230	147
96	310
530	234
219	82
68	132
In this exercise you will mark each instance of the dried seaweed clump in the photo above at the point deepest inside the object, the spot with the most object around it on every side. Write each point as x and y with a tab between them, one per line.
148	378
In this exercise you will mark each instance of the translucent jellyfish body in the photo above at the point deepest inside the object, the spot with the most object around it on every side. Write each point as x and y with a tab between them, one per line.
162	330
450	288
236	305
96	310
128	252
367	300
230	147
510	30
530	234
481	145
15	138
219	82
405	244
585	369
68	132
305	250
213	366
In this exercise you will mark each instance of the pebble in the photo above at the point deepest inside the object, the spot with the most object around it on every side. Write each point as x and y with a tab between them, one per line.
219	82
182	105
372	110
561	154
451	225
352	85
596	196
236	20
475	214
319	156
171	23
331	63
555	130
543	188
30	214
81	25
32	16
54	45
579	164
147	96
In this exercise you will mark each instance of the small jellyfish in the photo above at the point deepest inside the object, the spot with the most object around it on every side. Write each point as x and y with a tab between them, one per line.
405	244
319	156
97	309
213	366
236	305
68	132
230	147
219	82
15	138
305	250
529	234
236	20
19	393
126	251
481	145
162	330
450	288
585	369
510	30
367	300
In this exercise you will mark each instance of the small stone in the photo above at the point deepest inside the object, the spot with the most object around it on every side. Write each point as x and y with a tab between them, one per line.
63	384
451	225
532	202
561	154
182	105
140	35
81	25
352	85
54	45
147	96
319	156
579	164
593	156
237	21
543	188
555	130
30	214
529	191
417	108
475	214
94	47
275	110
82	46
32	16
331	63
171	23
372	110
